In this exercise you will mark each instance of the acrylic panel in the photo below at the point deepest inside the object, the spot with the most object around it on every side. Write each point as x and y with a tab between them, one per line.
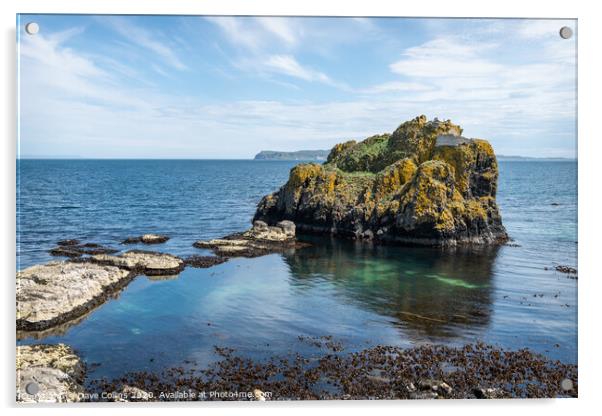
283	208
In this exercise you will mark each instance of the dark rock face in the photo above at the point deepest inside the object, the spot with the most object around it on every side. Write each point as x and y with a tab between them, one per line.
422	184
73	248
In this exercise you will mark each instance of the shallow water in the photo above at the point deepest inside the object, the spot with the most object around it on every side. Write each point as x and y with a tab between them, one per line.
360	294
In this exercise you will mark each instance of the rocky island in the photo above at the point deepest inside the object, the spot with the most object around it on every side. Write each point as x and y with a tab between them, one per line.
423	184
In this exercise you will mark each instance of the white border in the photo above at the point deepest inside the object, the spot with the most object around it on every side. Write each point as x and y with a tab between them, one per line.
590	94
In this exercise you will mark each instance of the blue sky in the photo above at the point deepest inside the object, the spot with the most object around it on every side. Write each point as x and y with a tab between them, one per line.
228	87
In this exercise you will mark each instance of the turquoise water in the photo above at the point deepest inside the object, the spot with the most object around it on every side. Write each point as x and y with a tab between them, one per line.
360	294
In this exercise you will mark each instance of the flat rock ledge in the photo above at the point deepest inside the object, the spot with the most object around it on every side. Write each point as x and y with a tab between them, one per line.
150	263
48	374
146	239
260	240
57	292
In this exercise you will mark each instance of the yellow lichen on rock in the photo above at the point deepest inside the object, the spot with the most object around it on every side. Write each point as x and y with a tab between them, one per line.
338	149
460	158
475	211
393	177
303	172
428	197
417	138
484	147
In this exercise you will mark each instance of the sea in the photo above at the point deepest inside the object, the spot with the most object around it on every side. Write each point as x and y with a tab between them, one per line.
356	294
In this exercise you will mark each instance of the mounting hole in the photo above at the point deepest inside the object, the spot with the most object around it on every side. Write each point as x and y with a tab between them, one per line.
566	32
32	388
566	384
32	28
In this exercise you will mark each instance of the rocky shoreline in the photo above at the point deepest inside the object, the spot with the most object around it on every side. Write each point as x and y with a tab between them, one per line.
53	294
474	371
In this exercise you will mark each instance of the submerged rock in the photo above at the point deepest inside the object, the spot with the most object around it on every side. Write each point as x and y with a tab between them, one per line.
148	262
72	242
260	240
422	184
565	269
146	239
54	293
203	262
48	374
73	248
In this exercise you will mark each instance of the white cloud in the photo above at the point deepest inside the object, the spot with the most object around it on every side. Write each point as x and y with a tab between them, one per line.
236	32
288	65
266	44
146	39
281	27
52	70
159	70
460	70
443	58
260	33
47	52
396	86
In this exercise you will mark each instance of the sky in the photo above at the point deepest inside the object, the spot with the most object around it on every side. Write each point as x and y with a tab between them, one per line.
227	87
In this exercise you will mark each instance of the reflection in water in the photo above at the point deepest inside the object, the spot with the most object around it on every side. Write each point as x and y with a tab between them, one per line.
57	330
429	290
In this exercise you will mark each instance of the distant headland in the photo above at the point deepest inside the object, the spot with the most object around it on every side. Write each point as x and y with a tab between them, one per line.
511	158
298	155
307	155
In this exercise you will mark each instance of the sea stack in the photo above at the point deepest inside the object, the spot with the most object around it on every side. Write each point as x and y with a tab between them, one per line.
423	184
